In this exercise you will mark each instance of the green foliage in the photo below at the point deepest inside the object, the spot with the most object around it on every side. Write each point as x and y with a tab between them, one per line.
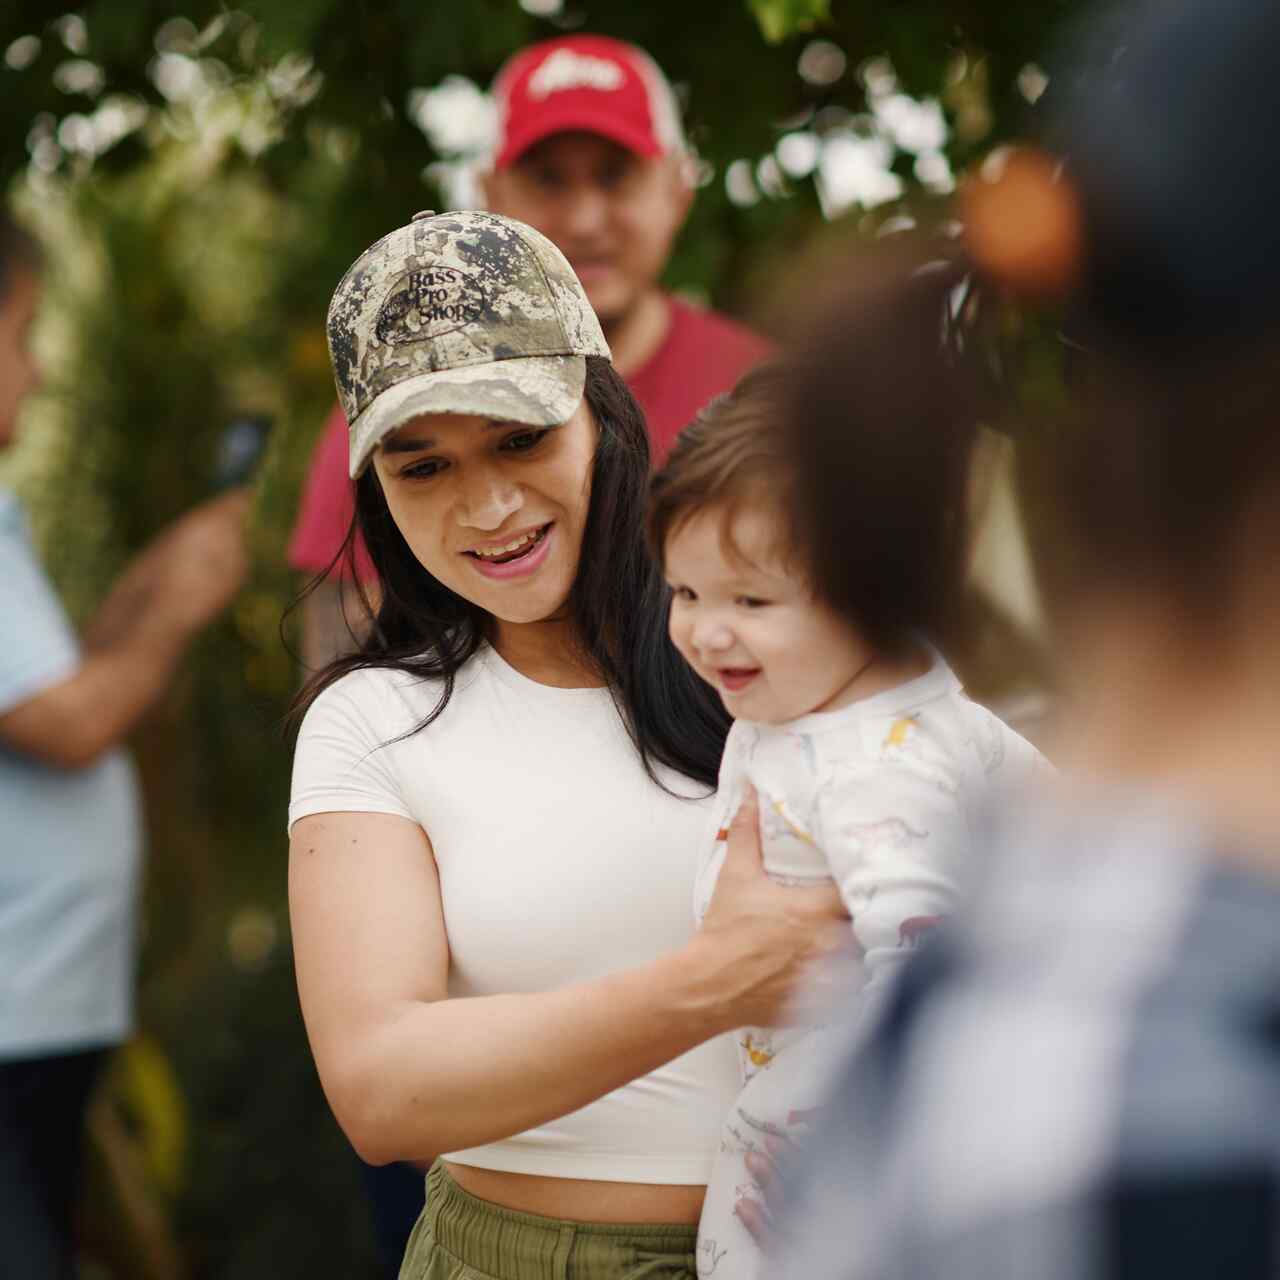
779	19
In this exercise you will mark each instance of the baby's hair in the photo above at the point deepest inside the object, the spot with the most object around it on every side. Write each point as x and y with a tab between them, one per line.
733	454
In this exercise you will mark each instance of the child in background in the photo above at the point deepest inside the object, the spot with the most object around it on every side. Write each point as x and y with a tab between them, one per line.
868	761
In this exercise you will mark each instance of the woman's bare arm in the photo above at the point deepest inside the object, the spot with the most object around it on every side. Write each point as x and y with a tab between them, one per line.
411	1073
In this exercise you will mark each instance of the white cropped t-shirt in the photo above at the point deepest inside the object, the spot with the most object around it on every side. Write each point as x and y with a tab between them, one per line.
559	860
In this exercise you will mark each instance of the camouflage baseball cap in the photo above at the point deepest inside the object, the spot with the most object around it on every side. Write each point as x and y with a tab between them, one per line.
459	313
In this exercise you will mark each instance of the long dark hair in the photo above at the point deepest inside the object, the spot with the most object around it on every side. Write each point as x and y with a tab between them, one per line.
618	602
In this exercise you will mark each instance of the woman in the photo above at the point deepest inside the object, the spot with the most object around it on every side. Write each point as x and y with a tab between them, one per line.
497	803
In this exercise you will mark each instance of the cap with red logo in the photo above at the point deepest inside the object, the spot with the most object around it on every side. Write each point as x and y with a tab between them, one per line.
584	83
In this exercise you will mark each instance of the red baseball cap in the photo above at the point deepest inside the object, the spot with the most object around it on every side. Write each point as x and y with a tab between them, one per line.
587	83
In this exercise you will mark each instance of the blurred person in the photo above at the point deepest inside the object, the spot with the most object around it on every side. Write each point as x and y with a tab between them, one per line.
497	800
1082	1079
590	152
869	762
71	844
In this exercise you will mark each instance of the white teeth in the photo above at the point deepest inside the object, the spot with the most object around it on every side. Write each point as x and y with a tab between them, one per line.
492	552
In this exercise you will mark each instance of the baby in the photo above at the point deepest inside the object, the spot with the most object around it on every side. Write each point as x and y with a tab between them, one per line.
868	761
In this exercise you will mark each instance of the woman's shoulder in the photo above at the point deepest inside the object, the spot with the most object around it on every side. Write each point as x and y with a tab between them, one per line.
389	700
379	681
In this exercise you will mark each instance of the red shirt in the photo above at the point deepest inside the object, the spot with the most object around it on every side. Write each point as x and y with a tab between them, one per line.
703	354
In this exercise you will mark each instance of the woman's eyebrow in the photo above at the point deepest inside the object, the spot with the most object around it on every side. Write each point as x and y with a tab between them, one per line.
414	444
406	444
495	425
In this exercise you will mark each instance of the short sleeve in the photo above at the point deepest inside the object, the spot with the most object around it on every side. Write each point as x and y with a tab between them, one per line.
343	760
895	836
37	645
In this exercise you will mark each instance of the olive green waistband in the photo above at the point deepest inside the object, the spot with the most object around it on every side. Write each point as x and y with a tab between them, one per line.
508	1245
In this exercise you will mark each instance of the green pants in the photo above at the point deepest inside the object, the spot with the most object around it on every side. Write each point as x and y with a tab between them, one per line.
460	1237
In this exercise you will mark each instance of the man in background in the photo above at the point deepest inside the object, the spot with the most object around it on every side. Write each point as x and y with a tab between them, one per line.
70	838
590	152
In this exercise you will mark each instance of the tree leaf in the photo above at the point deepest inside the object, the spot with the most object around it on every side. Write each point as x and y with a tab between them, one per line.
779	19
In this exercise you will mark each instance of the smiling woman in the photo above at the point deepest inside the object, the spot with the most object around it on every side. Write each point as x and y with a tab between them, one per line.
517	752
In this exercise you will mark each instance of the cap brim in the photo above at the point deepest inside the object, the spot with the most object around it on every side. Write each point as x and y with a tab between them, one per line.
577	119
536	391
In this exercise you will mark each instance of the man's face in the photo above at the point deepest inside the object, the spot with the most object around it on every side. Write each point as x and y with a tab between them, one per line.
611	212
19	375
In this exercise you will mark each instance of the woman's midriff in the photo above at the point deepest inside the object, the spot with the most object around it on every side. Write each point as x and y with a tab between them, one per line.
581	1199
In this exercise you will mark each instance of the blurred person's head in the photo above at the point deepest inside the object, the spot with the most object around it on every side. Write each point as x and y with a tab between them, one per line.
879	424
1174	465
1170	469
19	295
1166	469
590	152
753	611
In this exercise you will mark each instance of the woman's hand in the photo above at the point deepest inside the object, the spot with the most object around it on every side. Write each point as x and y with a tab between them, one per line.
777	950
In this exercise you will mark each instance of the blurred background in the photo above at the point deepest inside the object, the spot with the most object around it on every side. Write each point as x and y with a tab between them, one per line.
200	176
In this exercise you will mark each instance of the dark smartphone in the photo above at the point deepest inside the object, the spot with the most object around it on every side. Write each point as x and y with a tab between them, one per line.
239	450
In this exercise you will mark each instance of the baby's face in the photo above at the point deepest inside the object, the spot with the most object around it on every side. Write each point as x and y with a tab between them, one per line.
749	624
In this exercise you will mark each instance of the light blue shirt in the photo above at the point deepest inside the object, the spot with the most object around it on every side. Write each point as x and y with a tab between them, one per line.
69	843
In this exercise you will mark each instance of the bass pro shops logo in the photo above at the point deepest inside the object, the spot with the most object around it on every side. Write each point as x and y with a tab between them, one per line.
425	304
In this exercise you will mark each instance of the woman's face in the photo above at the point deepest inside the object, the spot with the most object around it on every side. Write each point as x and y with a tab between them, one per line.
494	511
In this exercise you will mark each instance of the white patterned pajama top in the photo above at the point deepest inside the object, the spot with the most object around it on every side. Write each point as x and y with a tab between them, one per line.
882	797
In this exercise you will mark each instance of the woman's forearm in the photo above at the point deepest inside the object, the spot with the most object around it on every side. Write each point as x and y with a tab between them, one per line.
461	1072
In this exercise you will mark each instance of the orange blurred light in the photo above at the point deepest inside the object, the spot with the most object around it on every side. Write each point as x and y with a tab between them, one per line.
1023	223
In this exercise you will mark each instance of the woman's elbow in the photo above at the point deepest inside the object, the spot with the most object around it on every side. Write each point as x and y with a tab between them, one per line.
353	1098
371	1147
379	1130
